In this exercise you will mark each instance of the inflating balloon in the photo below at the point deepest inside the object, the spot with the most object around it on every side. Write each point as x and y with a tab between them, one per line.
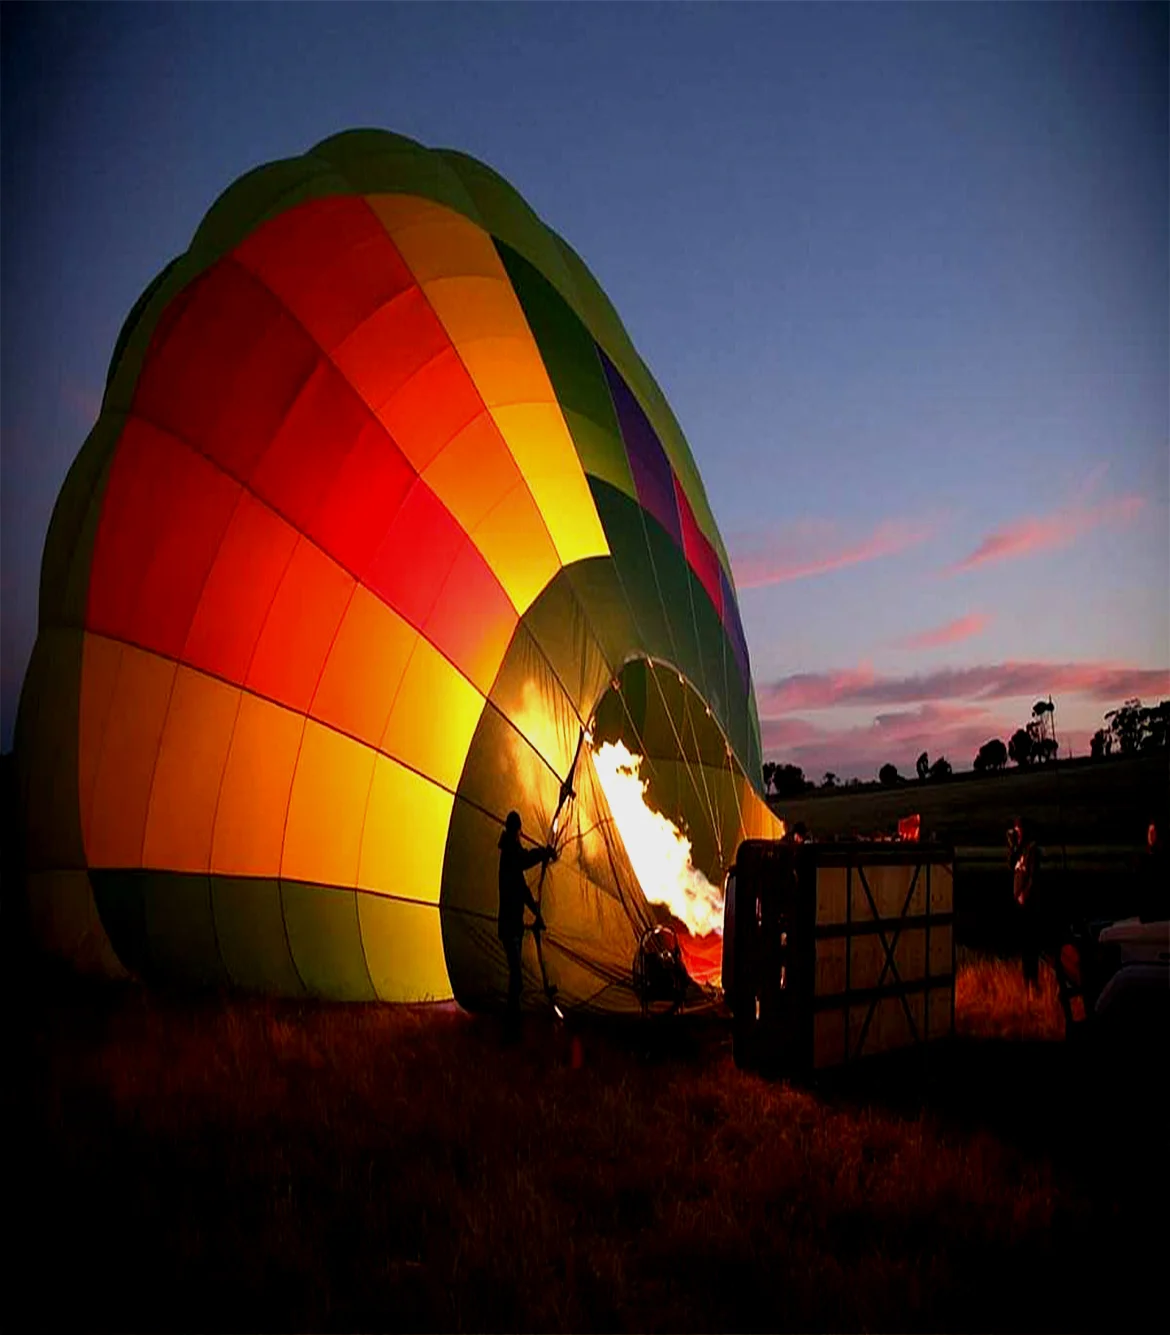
383	531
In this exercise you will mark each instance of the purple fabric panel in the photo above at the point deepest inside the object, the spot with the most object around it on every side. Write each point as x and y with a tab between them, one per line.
653	476
734	628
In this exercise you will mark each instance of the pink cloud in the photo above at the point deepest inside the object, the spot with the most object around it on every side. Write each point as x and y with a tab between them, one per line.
1041	533
994	681
952	633
815	547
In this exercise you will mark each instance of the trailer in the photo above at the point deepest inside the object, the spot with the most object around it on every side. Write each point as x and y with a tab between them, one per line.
838	951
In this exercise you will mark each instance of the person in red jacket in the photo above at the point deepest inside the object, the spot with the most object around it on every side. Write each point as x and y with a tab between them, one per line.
515	860
1024	858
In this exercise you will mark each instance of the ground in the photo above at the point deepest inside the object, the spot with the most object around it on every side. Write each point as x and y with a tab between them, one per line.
233	1164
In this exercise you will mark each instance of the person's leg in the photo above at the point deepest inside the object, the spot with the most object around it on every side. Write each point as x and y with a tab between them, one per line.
515	978
1030	946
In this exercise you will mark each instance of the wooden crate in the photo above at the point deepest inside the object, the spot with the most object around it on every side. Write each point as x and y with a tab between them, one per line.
842	950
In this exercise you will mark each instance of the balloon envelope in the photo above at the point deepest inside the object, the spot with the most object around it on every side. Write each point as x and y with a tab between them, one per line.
383	528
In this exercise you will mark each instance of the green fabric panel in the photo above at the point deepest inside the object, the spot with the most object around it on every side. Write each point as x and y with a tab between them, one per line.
503	772
710	633
587	297
326	941
64	920
559	624
674	584
404	951
624	530
180	928
570	357
120	901
708	739
249	924
65	570
528	693
49	751
598	589
376	162
507	216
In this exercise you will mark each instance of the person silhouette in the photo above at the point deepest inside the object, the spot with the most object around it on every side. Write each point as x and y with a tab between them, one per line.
515	860
1024	859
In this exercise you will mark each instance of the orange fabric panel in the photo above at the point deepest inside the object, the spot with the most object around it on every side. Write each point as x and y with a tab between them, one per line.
473	621
364	668
310	447
515	542
381	355
300	627
436	241
434	405
222	375
477	307
249	566
164	514
507	370
129	752
356	513
101	661
191	760
474	472
331	263
257	780
330	791
434	717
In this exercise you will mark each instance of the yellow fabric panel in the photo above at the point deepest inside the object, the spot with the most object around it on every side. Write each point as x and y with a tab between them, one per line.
404	949
473	307
138	710
191	760
405	834
257	780
364	668
330	790
515	541
434	241
433	718
507	370
473	472
541	445
101	658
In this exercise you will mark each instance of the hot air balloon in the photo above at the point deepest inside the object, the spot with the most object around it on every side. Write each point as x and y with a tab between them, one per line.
384	530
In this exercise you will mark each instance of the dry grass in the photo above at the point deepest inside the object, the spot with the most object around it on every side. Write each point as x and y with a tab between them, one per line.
247	1165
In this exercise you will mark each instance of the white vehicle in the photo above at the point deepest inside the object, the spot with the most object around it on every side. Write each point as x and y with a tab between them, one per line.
1115	981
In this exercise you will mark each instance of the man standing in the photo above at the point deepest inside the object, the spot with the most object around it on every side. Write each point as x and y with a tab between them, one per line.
1024	858
514	895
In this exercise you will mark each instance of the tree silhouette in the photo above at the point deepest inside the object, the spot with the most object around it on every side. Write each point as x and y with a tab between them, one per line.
1101	744
769	774
789	781
922	766
830	779
993	755
1125	723
888	776
1020	747
941	769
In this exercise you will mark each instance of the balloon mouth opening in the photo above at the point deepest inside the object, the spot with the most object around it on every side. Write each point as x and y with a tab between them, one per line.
661	806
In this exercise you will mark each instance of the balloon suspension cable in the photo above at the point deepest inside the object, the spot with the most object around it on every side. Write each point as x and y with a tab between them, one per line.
566	794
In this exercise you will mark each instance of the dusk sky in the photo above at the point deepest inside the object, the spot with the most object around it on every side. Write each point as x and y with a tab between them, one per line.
902	272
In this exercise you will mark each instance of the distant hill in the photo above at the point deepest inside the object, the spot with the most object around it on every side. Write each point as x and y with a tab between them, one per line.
1097	802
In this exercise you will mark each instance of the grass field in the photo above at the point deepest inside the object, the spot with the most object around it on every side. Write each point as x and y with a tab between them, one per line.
235	1164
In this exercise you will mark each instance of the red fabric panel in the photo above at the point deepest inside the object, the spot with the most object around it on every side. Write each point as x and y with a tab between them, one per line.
163	516
473	620
434	405
700	554
248	568
356	513
330	261
300	627
414	561
225	374
381	355
307	454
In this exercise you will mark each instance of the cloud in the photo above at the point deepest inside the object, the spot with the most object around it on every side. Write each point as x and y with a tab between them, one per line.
993	681
952	633
814	547
1041	533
